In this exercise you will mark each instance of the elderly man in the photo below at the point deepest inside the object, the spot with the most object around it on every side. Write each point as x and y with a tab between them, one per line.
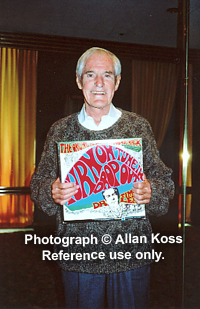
106	281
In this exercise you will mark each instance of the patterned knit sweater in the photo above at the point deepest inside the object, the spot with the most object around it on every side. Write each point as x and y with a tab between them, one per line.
129	125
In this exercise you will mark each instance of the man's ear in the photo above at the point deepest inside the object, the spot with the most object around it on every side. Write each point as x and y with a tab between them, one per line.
117	81
78	81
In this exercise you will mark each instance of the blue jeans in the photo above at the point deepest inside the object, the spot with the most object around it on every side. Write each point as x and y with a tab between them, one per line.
125	290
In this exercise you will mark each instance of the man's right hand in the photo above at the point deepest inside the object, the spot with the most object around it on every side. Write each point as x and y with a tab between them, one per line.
62	192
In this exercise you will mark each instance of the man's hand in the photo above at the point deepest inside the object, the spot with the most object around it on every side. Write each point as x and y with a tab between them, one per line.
142	191
62	192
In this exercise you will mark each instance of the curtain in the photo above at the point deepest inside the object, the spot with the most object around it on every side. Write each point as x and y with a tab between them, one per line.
153	93
17	132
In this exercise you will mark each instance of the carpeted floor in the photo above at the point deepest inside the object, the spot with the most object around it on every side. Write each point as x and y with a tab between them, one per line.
29	282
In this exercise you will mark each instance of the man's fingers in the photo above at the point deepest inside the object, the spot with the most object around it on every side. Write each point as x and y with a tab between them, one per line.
142	191
62	192
142	198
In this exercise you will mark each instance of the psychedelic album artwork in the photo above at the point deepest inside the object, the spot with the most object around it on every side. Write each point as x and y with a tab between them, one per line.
105	171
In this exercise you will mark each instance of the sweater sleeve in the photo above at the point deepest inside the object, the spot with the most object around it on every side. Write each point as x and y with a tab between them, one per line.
158	174
45	174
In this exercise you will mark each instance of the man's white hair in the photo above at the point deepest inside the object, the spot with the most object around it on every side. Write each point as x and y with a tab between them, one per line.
90	52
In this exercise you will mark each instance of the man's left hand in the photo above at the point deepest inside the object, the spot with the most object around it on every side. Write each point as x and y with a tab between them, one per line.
142	191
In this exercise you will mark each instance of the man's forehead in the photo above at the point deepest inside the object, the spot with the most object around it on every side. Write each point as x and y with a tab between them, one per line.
109	191
99	60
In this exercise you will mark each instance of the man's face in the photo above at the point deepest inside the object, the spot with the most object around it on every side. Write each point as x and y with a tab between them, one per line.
98	82
111	197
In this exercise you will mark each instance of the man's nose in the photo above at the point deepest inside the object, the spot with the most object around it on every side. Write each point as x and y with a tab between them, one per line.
99	82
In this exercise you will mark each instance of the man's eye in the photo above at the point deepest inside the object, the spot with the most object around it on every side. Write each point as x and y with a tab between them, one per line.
90	75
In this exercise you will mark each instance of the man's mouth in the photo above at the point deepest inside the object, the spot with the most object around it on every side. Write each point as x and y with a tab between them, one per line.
98	92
